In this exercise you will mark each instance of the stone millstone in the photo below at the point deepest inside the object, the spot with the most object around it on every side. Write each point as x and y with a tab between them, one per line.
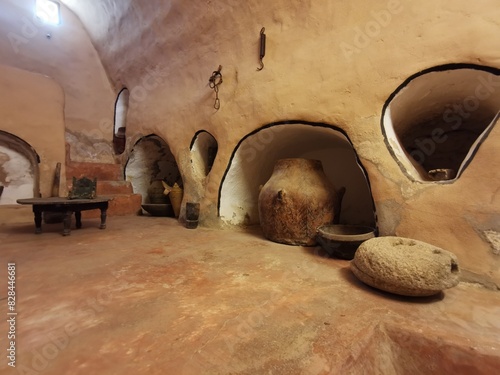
405	266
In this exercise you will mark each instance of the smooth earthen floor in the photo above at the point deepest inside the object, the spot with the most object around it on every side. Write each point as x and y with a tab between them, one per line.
147	296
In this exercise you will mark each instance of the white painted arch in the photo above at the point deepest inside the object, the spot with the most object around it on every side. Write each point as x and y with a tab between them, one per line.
438	118
253	161
204	149
19	169
151	159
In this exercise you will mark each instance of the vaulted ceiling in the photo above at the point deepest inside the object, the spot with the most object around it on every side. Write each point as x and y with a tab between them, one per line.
124	31
131	35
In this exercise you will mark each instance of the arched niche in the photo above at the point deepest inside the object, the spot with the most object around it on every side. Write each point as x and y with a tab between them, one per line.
204	149
437	119
19	170
253	161
120	126
151	159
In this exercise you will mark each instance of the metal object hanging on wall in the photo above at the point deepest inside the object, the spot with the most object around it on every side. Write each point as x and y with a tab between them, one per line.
214	81
262	50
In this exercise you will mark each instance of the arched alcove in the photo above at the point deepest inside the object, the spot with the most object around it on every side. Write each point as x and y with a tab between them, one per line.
204	149
19	171
120	126
253	161
437	119
151	159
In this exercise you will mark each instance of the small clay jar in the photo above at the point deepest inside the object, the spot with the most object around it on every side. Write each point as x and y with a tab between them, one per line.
156	193
296	201
176	195
192	215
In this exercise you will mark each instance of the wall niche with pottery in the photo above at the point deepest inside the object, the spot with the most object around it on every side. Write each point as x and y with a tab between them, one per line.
150	162
254	158
436	120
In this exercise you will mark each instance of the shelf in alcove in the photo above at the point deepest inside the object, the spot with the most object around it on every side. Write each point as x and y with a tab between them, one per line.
435	120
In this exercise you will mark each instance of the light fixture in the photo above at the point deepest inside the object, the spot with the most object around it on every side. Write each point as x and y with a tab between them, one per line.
48	11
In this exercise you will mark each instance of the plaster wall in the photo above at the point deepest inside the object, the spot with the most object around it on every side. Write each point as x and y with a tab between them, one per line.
17	176
434	120
32	108
151	160
203	152
328	62
68	57
254	160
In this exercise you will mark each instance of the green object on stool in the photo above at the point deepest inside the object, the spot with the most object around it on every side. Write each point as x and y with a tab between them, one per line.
83	188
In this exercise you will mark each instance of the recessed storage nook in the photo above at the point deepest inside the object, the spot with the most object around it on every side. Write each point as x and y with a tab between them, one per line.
19	172
204	149
253	160
437	119
151	160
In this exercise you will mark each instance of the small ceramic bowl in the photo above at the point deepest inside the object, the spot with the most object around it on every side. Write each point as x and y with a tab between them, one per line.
342	241
158	209
442	174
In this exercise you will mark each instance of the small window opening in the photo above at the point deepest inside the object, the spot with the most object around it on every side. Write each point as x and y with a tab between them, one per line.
48	11
121	109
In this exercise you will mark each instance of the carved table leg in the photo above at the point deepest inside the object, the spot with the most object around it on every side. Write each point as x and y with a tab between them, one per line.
103	218
38	220
78	217
67	223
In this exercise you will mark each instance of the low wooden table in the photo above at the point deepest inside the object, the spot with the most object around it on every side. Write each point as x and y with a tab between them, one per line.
67	207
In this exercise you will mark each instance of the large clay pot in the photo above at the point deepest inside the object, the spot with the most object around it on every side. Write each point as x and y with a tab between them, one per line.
296	201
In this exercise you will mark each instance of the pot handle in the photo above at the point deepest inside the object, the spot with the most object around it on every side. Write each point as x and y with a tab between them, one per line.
281	195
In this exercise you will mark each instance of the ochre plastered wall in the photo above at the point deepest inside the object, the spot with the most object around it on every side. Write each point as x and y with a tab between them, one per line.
32	108
69	58
332	62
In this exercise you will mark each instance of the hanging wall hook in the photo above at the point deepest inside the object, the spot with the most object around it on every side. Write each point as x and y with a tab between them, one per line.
214	81
262	47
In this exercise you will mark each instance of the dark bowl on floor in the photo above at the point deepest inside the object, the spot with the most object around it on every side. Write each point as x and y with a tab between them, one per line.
342	241
158	209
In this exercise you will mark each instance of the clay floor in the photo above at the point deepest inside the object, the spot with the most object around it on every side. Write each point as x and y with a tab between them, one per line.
147	296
